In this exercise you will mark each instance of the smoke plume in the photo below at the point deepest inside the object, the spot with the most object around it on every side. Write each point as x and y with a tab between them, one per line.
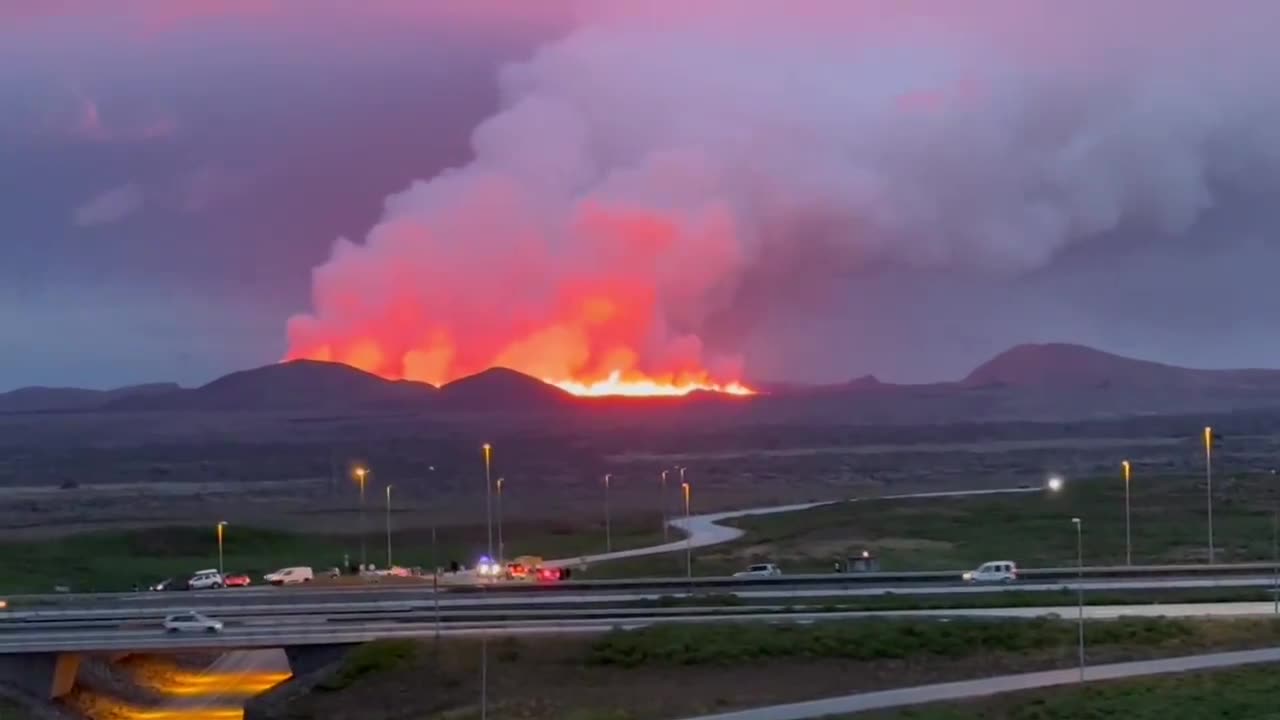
656	179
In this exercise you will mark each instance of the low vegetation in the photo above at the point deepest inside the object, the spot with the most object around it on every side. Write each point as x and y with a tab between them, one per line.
1237	694
1034	529
379	656
121	560
882	639
628	675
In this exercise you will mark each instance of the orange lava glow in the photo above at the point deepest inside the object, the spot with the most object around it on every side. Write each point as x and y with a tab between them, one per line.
615	385
538	357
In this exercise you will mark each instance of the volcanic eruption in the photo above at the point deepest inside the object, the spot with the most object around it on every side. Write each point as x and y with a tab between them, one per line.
666	179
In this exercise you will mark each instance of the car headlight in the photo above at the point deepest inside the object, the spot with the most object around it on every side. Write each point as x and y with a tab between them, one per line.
967	576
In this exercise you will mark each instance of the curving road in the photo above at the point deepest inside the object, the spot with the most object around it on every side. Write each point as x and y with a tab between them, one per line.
971	689
705	530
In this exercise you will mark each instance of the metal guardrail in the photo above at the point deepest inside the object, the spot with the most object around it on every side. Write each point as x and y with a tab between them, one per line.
677	584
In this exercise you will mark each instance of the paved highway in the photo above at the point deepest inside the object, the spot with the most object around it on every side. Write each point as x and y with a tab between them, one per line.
991	686
232	604
272	632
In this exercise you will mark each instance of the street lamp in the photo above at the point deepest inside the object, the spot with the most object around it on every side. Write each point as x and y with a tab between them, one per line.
502	548
1208	477
488	497
1275	550
608	528
1054	483
666	533
1128	535
388	527
688	532
362	474
221	525
1080	589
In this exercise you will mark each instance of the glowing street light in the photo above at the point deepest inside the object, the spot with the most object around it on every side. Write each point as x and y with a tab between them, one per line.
362	474
1128	535
221	525
1208	478
688	531
488	497
608	528
1054	483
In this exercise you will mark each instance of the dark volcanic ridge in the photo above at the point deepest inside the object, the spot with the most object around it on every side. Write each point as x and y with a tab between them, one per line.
1028	382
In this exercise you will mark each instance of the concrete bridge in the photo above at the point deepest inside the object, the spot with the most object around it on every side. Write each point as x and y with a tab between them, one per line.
48	669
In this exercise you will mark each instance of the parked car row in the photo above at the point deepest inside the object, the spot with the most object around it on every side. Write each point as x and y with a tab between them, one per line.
212	579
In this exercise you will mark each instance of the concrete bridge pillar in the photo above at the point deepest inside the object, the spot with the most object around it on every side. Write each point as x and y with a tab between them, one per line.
41	675
306	659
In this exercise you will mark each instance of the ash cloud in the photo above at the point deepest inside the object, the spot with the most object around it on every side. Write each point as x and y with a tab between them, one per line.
667	188
109	206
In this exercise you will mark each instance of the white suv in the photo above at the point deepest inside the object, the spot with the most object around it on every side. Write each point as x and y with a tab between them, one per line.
1003	571
206	580
761	570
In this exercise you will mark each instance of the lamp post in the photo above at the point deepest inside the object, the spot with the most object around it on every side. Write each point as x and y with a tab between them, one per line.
362	474
1080	589
488	498
502	548
666	533
688	532
1128	535
608	528
1208	477
388	527
1275	550
221	525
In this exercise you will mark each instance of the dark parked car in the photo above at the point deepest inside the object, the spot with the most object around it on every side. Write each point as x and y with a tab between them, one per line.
171	584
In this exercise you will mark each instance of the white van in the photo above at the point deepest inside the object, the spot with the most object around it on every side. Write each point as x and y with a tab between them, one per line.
290	576
1004	571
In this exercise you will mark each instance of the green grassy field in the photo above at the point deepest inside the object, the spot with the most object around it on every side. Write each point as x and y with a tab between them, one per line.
105	561
899	639
663	672
1169	525
1240	694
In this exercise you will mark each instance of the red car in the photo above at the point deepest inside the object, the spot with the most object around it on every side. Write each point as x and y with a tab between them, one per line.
240	580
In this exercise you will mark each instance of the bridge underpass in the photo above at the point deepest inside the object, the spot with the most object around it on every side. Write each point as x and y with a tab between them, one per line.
160	687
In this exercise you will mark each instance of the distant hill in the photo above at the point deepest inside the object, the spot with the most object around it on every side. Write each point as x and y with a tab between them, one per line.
297	385
1062	365
62	399
501	389
1054	381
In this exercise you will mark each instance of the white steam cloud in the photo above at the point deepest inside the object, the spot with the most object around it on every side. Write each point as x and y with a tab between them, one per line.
706	163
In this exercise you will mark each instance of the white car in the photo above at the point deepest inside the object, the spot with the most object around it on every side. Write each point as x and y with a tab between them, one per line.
760	570
290	576
1003	571
192	622
207	580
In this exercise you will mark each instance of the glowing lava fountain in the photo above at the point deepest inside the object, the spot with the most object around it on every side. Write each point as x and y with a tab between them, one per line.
614	385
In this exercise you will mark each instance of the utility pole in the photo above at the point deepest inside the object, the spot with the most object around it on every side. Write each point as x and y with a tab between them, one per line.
1080	590
608	527
666	531
1208	476
488	498
1128	534
388	527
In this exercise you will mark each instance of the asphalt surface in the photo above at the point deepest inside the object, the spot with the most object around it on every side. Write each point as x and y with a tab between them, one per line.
971	689
264	632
